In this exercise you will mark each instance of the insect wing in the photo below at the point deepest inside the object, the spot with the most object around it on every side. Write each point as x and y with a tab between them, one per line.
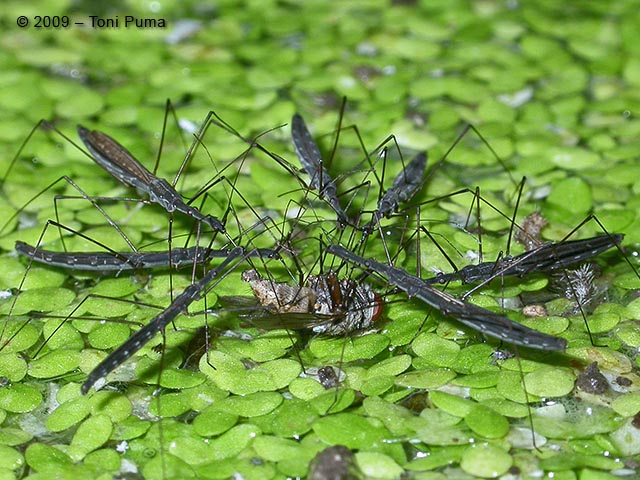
404	187
307	151
309	155
116	159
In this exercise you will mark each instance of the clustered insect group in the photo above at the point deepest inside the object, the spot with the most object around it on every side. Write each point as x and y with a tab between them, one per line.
324	295
339	306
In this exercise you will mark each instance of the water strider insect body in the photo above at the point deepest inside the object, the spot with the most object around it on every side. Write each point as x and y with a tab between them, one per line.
480	319
119	162
120	261
405	186
309	155
159	322
324	304
341	306
548	257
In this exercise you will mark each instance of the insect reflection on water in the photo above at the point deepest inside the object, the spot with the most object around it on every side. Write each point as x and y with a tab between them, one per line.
334	462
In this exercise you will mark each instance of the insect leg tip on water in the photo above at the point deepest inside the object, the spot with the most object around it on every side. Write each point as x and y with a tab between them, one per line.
96	384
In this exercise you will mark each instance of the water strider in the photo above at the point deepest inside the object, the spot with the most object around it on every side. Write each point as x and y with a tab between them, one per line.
406	184
548	257
179	305
347	306
492	270
309	155
119	162
120	261
330	305
325	295
480	319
